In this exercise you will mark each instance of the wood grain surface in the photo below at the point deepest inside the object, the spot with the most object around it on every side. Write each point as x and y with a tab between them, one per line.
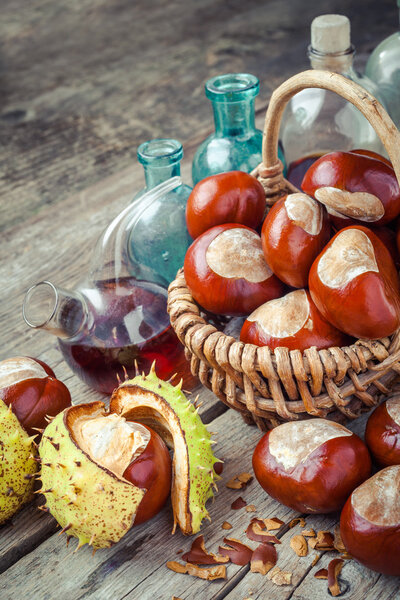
81	85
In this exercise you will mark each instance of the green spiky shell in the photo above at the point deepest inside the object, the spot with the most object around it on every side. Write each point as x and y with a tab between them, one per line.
88	501
17	465
165	408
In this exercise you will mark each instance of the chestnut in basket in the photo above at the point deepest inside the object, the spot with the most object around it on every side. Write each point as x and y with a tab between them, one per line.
30	387
233	197
311	466
292	321
382	434
354	188
370	522
226	272
355	285
293	234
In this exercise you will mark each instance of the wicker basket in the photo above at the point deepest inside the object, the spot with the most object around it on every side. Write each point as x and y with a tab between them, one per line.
270	387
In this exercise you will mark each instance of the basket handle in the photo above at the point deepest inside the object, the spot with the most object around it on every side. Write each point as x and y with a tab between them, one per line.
354	93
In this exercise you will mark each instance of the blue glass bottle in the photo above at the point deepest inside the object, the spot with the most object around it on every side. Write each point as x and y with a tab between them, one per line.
236	143
159	237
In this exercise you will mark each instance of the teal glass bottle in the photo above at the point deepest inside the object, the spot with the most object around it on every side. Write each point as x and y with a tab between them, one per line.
159	238
383	67
236	143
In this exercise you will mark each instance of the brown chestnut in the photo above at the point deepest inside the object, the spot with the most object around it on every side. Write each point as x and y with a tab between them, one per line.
226	272
293	234
32	390
370	522
355	285
382	434
233	197
311	466
292	321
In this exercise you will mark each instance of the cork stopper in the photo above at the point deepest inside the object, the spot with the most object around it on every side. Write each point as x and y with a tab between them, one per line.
330	34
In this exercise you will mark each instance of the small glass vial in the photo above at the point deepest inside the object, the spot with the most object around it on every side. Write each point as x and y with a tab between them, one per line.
318	121
236	143
383	67
159	237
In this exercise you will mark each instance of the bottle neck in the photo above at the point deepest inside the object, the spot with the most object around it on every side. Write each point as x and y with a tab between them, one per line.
154	175
340	62
58	311
234	118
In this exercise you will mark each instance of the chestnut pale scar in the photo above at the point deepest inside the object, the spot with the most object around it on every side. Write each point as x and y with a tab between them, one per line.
305	212
292	443
393	409
351	254
362	206
237	253
284	316
378	499
14	370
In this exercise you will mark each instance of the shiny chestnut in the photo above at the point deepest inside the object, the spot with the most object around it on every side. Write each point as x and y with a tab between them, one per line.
293	234
355	285
355	188
311	466
370	522
382	434
33	391
292	321
233	197
226	271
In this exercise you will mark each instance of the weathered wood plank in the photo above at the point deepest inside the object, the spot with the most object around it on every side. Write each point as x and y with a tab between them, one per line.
136	565
85	82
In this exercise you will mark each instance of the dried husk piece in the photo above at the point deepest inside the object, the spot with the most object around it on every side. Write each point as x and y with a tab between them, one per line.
237	552
210	573
263	559
198	554
297	521
279	577
226	525
239	482
334	568
273	523
321	574
238	503
299	545
257	532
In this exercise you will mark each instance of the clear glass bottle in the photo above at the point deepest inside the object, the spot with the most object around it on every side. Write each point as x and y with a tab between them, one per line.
236	143
317	121
116	319
159	237
383	67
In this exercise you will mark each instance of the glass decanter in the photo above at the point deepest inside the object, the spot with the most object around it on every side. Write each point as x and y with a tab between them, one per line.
159	237
115	322
318	121
383	67
236	143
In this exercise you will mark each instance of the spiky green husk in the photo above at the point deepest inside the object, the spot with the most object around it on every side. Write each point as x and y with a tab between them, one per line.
166	409
17	465
87	500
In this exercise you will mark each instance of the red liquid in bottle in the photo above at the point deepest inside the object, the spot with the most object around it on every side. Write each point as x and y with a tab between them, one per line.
298	168
129	324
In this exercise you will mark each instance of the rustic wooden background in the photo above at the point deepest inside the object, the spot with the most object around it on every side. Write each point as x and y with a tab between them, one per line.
81	85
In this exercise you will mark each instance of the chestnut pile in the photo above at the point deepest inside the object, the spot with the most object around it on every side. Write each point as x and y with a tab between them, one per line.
318	466
319	270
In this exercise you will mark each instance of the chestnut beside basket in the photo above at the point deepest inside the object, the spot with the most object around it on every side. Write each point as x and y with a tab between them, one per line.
270	387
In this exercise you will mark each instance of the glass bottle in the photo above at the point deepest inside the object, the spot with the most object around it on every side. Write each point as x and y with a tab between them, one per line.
115	322
236	143
317	121
383	67
159	237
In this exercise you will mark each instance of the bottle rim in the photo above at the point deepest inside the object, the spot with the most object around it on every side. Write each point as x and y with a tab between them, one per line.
160	152
37	293
232	87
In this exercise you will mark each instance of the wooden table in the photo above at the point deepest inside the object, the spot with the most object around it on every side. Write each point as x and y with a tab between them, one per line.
82	84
